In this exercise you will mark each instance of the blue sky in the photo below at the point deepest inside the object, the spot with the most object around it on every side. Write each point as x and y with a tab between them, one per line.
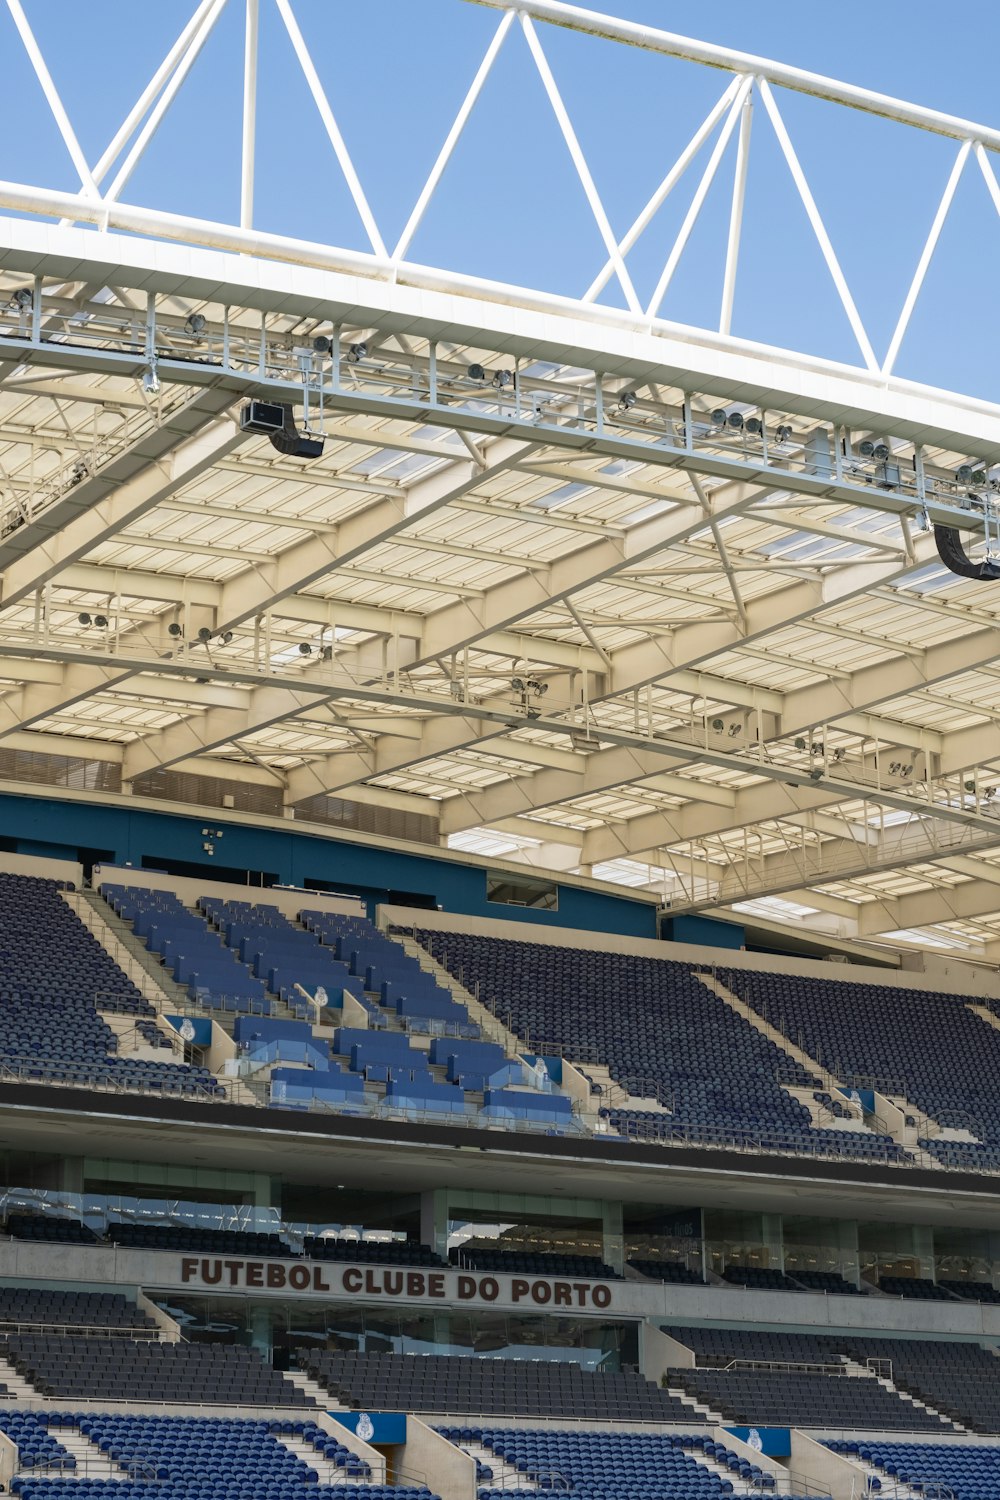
510	206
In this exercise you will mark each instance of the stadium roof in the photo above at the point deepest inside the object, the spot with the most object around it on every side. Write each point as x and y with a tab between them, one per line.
580	589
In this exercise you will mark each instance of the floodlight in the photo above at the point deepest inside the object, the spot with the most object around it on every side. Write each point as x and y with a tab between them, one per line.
816	774
476	372
101	621
866	449
356	353
964	473
305	649
719	417
754	426
736	420
783	433
174	629
718	725
627	400
84	619
517	683
979	478
321	344
204	635
502	379
22	299
800	744
327	653
881	452
226	637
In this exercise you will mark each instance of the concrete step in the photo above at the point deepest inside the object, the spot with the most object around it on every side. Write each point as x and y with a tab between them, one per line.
492	1027
313	1459
705	1413
19	1388
171	994
317	1393
96	915
91	1463
505	1476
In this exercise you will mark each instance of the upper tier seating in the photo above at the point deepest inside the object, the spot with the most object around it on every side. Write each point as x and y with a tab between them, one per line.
84	1368
666	1270
39	1306
760	1278
375	1252
195	955
533	1263
611	1465
827	1281
939	1471
651	1019
50	1229
972	1291
51	964
506	1387
926	1044
280	955
390	972
54	978
919	1288
194	1237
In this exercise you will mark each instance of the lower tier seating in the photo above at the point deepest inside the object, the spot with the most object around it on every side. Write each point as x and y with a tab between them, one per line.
190	1458
608	1465
779	1398
503	1387
957	1378
935	1470
122	1370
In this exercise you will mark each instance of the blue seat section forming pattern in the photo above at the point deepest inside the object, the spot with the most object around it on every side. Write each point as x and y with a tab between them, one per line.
195	954
935	1470
653	1019
54	979
281	955
925	1043
165	1458
612	1465
388	971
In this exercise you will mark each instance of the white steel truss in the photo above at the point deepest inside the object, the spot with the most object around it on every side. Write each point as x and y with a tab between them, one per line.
573	583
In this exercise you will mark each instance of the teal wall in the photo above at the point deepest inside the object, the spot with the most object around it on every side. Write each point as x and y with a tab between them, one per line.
58	830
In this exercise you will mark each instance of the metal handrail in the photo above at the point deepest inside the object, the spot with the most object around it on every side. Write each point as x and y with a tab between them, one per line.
79	1330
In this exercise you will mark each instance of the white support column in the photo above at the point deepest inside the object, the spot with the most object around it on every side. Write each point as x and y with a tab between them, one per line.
925	257
87	183
330	126
453	137
697	202
164	102
819	228
580	163
736	215
249	113
665	188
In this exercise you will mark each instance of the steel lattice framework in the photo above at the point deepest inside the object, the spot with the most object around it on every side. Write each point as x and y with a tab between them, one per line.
598	592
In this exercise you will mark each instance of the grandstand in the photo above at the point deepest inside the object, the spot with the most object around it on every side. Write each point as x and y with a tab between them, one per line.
499	913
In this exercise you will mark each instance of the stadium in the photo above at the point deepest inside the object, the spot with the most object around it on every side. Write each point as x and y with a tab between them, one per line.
499	815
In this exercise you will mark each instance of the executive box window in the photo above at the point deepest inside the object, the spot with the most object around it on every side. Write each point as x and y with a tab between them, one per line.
522	890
